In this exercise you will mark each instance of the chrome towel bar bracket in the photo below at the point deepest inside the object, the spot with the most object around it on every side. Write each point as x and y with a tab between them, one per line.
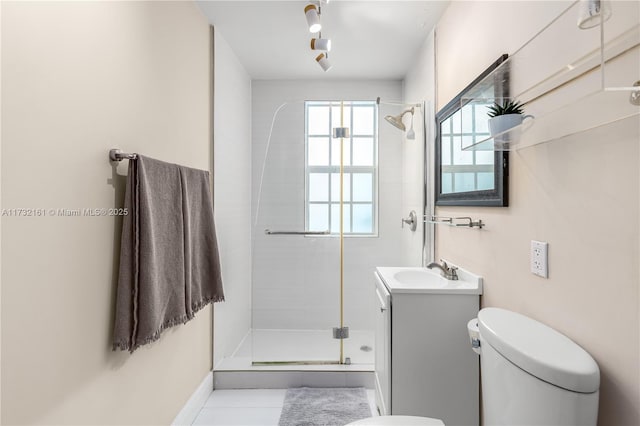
117	155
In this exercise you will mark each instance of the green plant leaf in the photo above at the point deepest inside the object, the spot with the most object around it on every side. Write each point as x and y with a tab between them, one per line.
507	107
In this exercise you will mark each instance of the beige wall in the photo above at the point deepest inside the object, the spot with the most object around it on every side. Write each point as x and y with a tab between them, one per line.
580	194
79	78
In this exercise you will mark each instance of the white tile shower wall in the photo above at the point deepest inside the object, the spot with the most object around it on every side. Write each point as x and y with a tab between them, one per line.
419	85
232	191
295	278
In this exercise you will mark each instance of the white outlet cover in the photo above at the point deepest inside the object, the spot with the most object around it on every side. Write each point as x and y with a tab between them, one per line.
539	258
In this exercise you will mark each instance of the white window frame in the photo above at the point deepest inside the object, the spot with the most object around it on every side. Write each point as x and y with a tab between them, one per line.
348	169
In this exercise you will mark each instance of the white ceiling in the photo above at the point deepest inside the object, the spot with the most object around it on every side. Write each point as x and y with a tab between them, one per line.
371	39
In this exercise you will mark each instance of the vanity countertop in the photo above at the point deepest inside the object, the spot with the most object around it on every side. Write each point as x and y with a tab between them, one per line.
423	280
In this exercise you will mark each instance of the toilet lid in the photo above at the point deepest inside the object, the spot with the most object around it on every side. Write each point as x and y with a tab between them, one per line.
398	421
539	350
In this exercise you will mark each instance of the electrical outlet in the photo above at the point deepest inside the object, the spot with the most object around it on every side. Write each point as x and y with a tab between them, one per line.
539	258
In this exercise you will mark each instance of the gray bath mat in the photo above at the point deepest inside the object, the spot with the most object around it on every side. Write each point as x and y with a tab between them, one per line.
324	406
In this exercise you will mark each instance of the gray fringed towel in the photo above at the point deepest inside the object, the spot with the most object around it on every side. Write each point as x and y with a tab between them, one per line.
169	261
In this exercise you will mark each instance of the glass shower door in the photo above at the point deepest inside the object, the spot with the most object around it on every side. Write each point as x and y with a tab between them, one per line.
296	257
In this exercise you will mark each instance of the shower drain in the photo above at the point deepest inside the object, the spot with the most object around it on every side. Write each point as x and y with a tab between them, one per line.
365	348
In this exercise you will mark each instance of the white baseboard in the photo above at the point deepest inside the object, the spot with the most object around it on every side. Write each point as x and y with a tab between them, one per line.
190	411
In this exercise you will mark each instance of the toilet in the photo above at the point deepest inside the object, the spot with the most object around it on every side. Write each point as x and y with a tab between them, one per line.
531	374
398	421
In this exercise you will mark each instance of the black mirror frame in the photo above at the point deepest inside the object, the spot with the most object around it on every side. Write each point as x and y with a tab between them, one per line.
497	197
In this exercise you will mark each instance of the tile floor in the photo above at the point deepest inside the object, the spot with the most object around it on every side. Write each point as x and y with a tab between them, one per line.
248	407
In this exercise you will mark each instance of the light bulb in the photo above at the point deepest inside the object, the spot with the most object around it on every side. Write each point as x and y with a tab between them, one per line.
313	19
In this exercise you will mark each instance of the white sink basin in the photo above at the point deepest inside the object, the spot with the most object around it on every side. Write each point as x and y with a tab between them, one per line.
419	278
423	280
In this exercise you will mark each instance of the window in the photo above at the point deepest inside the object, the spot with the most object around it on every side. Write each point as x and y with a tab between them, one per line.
322	168
466	171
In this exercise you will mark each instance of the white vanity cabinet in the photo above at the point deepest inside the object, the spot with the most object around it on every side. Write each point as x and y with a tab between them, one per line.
424	363
383	348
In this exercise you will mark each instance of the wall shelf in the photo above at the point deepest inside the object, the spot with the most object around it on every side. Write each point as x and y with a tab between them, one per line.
582	84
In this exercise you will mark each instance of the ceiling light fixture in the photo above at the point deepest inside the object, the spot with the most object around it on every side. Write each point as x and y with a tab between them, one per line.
313	18
321	44
313	12
323	60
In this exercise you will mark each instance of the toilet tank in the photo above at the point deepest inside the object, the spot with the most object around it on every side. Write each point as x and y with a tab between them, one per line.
534	375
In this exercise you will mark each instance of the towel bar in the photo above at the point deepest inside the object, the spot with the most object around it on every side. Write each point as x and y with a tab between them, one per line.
270	232
117	155
464	221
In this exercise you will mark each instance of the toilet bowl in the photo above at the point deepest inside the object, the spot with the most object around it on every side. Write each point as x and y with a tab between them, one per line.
397	421
531	374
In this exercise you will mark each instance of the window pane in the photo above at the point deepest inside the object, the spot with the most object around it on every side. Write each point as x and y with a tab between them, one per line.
464	182
363	218
447	183
482	119
363	151
335	116
318	117
318	151
484	157
318	187
446	151
318	217
467	118
445	127
335	187
467	141
485	181
362	187
335	152
460	156
363	120
335	214
457	126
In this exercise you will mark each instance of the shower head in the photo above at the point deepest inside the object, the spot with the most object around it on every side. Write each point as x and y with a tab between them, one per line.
396	120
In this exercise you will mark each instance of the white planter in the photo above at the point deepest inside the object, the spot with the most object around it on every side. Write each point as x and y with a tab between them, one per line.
502	123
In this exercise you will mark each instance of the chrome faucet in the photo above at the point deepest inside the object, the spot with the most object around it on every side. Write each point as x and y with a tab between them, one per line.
448	272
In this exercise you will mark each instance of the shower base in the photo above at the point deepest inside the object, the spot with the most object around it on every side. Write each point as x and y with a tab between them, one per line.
291	358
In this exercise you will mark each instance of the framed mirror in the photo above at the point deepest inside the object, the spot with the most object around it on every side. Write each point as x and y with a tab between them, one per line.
471	177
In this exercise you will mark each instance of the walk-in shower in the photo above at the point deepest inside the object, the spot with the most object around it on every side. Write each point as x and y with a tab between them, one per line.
325	211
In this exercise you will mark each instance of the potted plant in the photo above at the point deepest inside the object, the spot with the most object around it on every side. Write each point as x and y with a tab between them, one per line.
505	116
